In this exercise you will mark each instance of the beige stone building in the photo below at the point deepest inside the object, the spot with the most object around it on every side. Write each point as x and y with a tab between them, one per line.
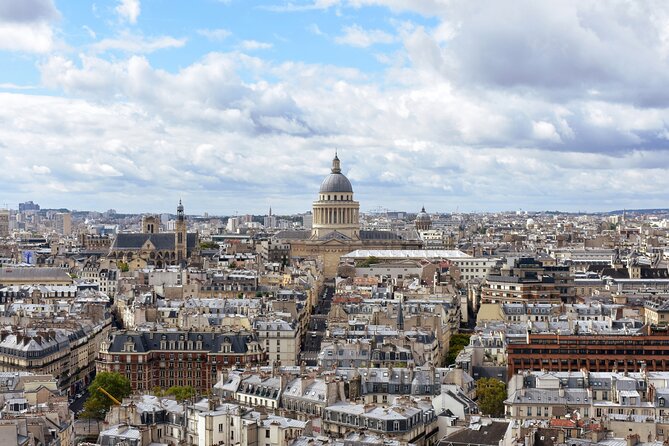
336	227
280	339
68	354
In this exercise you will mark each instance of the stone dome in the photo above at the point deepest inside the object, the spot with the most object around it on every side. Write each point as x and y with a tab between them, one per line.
423	216
423	221
336	181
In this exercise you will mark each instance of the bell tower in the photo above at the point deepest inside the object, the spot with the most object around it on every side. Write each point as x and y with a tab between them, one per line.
180	236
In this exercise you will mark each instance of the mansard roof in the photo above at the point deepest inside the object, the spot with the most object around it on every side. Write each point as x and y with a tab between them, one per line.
148	341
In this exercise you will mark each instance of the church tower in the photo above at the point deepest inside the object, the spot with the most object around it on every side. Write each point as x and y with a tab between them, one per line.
180	241
335	210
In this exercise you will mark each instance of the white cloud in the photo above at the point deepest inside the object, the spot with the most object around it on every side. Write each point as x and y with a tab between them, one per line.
12	86
97	170
251	45
131	43
90	32
218	34
41	170
31	38
470	111
545	131
128	10
290	6
355	35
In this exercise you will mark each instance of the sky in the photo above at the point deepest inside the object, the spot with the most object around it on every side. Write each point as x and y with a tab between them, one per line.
234	106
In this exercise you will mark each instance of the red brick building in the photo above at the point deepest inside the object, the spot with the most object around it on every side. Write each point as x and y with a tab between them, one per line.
166	359
594	352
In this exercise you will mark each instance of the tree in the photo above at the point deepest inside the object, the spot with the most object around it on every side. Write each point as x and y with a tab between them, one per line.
455	345
123	266
209	245
181	393
371	260
158	391
97	405
491	394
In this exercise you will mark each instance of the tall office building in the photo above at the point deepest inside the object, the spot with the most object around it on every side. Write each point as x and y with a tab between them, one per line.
4	222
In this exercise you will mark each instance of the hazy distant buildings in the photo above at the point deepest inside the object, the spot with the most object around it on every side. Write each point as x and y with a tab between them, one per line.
4	222
233	225
63	223
269	221
307	220
28	206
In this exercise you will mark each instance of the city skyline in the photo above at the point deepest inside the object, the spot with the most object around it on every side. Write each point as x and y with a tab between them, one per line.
238	106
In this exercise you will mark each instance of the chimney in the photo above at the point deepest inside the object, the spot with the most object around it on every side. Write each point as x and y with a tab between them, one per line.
632	439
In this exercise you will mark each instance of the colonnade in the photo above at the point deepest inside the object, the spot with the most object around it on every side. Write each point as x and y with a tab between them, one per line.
335	216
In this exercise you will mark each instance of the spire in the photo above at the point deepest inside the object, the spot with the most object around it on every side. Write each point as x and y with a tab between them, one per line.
336	167
423	209
180	211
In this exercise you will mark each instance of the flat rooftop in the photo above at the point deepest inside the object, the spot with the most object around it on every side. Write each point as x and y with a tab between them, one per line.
407	254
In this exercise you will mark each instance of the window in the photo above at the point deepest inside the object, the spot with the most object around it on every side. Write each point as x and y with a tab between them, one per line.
266	433
220	427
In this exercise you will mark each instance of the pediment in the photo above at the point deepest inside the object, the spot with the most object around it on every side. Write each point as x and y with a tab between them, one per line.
148	245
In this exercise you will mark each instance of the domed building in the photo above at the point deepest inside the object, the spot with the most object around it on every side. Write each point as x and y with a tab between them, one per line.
335	211
423	220
336	226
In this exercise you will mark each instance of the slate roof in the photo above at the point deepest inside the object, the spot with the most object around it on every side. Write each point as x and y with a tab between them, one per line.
9	273
292	235
148	341
299	388
490	434
378	235
163	241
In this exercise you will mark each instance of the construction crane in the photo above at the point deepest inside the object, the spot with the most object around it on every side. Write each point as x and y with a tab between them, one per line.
109	395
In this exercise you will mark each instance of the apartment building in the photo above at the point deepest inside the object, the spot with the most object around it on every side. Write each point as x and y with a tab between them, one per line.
280	339
166	359
405	419
622	349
